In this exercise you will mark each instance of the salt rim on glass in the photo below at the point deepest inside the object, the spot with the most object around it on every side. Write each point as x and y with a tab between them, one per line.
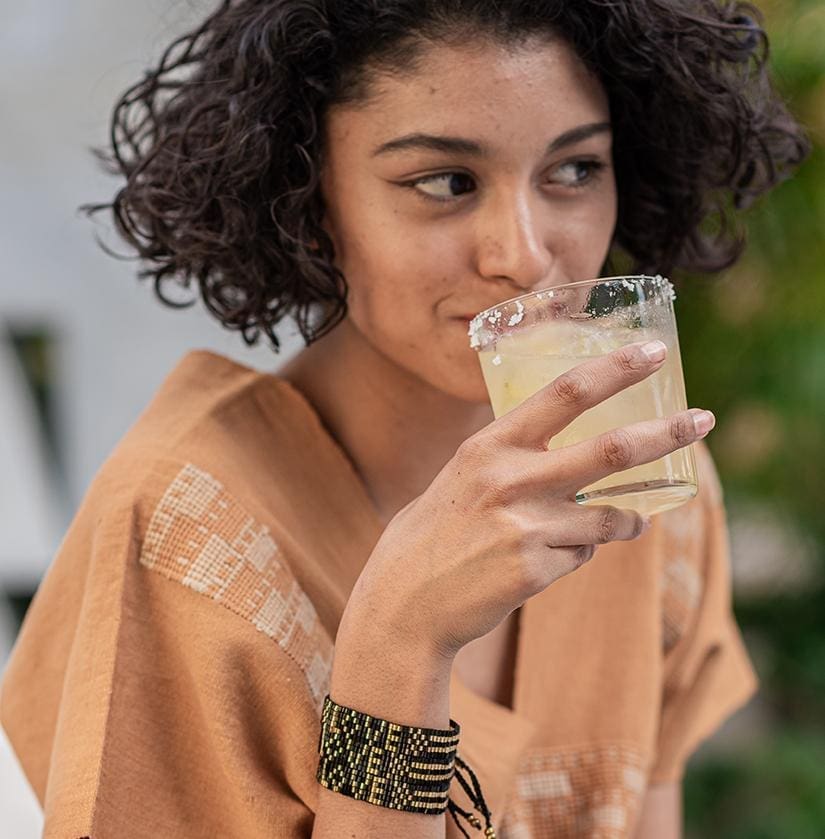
489	323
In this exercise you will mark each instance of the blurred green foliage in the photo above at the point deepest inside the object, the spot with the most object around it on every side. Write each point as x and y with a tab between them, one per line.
753	344
776	793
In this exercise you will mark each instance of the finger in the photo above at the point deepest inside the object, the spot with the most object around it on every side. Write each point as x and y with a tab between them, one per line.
581	464
544	414
568	559
596	525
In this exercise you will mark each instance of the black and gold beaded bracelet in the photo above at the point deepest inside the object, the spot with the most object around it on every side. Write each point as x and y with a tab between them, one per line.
396	766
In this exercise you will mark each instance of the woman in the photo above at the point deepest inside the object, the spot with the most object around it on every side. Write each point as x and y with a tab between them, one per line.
383	171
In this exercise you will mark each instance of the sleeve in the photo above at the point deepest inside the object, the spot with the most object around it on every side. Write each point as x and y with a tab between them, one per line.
189	704
707	674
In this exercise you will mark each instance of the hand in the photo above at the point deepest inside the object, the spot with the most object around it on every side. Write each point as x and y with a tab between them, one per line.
500	522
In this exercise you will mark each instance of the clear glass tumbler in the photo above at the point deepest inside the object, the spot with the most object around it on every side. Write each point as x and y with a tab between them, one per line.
526	342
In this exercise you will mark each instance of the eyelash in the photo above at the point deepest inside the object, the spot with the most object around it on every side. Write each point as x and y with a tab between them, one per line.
594	169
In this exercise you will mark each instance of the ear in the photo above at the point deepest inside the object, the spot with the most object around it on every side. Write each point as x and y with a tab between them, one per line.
313	243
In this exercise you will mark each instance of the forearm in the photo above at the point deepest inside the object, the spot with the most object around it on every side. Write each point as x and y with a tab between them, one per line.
404	686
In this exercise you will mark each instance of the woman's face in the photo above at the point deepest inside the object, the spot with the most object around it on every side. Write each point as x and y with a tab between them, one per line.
484	175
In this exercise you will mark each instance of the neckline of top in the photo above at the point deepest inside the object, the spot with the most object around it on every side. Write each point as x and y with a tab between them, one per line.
301	398
499	712
273	379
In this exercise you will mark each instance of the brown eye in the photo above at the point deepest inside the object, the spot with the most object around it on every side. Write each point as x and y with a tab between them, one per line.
444	186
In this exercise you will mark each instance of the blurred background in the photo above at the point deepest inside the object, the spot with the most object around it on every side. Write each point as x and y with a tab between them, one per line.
753	343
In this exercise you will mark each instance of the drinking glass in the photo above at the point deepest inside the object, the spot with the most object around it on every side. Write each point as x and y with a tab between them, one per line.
527	342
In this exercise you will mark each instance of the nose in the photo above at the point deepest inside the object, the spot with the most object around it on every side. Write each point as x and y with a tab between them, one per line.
513	241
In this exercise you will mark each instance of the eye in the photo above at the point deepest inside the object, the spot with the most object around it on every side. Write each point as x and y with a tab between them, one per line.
444	186
577	173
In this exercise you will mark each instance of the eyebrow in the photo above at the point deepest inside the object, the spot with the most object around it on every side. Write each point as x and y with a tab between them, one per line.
461	145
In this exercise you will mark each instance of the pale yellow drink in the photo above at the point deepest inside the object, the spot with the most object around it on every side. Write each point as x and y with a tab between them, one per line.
521	361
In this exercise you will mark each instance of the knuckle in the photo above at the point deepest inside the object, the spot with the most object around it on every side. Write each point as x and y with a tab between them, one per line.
543	564
469	450
630	360
533	578
483	446
497	486
472	456
578	556
608	525
584	554
682	430
616	449
529	551
570	388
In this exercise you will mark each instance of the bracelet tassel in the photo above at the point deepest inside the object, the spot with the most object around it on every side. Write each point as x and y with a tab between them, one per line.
476	797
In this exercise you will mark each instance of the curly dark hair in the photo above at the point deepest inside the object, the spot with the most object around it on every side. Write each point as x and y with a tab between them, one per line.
221	143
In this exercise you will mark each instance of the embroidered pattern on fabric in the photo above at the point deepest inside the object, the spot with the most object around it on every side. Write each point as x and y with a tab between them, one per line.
681	583
591	792
201	537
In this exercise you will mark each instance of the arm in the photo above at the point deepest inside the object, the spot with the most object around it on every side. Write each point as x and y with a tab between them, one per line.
476	544
661	816
385	680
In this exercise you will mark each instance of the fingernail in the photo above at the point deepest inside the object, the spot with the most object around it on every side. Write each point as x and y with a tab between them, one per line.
703	421
654	350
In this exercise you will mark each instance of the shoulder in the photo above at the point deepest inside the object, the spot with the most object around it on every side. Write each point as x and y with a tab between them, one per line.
204	485
198	548
214	422
219	444
200	537
207	392
227	495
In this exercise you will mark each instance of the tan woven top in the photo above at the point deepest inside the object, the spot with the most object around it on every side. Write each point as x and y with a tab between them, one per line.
169	675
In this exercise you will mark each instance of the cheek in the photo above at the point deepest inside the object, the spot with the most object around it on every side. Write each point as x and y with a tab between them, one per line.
604	225
398	273
401	276
588	235
401	297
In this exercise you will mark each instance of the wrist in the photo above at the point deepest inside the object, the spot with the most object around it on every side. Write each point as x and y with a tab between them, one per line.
385	674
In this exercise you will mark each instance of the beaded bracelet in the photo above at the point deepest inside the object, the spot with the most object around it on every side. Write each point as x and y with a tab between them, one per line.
396	766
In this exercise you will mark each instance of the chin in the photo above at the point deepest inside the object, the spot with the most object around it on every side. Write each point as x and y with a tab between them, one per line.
468	385
476	393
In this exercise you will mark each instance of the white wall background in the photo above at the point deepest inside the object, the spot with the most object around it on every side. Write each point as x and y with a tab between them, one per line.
62	66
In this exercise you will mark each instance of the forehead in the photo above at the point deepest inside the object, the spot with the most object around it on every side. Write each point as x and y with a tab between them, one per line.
490	91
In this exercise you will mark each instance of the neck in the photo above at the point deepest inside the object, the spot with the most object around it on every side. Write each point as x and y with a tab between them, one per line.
397	429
